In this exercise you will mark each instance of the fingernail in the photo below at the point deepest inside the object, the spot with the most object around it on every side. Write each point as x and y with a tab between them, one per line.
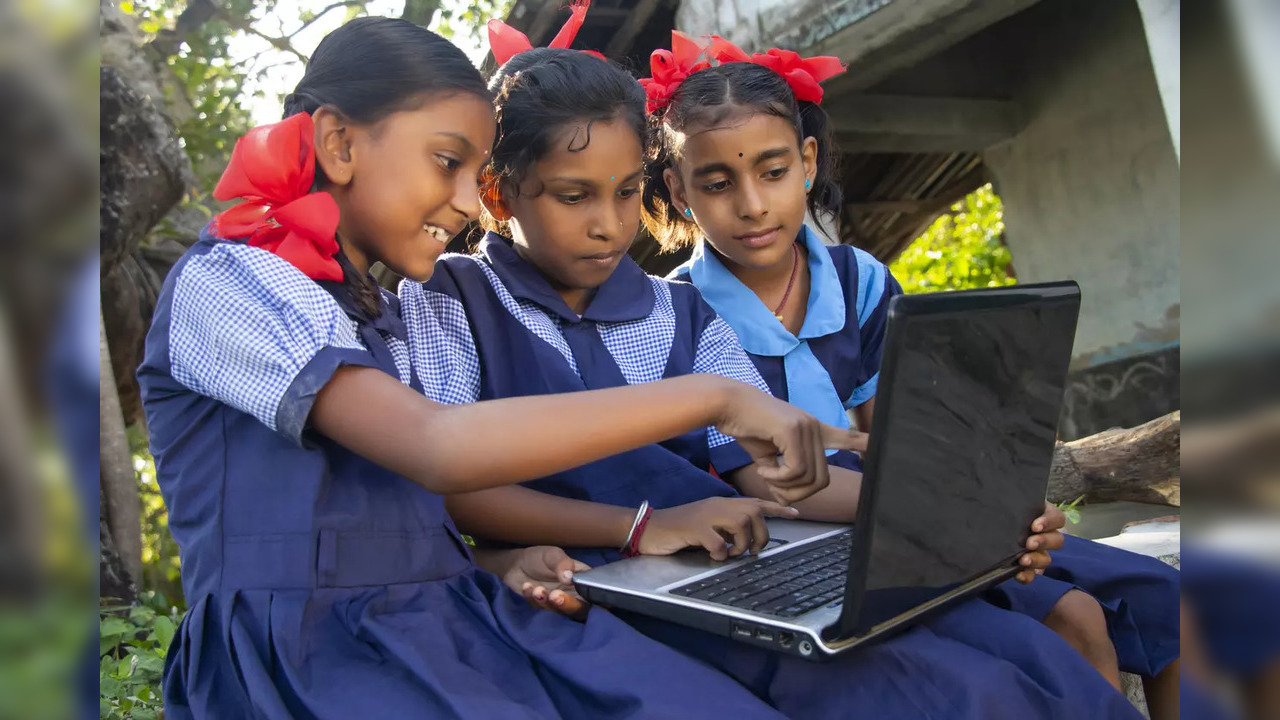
567	575
1038	526
1033	544
1026	560
525	587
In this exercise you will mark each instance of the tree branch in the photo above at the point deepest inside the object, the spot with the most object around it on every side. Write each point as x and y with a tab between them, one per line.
197	13
420	12
279	43
341	4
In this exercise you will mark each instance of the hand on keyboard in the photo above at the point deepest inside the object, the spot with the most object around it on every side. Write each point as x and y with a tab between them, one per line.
712	524
787	583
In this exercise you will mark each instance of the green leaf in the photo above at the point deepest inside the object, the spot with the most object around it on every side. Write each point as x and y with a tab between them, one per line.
114	627
163	630
153	664
110	687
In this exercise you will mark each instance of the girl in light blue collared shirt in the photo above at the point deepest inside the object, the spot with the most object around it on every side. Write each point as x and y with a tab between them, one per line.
737	160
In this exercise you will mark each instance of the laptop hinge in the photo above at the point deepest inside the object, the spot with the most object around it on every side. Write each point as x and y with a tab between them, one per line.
986	580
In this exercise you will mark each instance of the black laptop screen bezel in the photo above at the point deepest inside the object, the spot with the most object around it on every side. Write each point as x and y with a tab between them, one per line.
901	308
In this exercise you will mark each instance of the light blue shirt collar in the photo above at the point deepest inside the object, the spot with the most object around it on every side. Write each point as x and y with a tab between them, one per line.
809	385
758	328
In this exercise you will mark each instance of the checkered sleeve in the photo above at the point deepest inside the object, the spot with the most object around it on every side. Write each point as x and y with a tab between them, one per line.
441	346
251	331
720	352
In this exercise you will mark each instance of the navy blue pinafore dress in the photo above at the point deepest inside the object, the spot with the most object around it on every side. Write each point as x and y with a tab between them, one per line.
323	586
834	365
519	338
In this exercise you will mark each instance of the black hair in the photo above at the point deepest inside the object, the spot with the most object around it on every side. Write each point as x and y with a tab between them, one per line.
369	69
539	92
708	98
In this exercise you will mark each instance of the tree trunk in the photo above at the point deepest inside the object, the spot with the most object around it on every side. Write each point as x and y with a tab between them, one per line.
143	175
121	508
1138	464
113	580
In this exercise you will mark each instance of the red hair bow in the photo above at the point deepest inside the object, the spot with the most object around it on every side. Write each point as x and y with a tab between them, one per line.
507	42
272	168
802	74
669	68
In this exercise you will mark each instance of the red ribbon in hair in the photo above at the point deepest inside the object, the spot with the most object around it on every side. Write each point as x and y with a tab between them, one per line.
507	42
272	169
669	68
803	75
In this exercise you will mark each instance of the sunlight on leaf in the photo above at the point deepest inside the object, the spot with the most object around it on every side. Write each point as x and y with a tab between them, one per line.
962	249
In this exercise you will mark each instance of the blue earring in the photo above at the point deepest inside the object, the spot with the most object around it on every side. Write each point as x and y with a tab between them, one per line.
808	184
688	212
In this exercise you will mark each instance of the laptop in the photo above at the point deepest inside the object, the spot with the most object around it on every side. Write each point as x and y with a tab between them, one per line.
965	422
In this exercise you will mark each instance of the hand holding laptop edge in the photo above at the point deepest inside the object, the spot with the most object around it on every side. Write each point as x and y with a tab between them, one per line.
1047	536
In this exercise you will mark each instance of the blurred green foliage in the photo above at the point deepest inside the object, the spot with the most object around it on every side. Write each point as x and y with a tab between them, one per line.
961	249
133	643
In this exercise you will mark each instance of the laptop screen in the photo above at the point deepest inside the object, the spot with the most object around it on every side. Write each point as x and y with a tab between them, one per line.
966	419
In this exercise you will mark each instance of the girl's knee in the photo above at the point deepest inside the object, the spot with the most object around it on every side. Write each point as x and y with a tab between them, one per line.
1079	618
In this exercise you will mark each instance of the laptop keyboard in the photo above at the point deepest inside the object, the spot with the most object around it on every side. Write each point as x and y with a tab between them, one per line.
786	584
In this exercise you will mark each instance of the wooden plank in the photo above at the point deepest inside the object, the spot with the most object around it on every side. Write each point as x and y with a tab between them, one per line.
896	206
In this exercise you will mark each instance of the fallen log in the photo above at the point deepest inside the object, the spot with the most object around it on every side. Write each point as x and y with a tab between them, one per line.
1139	464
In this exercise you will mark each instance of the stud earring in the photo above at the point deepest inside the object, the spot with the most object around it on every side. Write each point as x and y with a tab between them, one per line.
688	212
808	184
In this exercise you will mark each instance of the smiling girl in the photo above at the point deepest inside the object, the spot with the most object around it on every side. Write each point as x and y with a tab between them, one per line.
303	468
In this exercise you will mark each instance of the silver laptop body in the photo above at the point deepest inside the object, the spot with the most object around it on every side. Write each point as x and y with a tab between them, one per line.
965	423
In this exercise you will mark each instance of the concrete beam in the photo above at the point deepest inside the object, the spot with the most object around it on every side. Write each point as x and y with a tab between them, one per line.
893	123
901	33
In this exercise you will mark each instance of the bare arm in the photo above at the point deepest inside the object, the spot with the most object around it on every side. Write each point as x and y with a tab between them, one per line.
863	413
517	514
450	448
837	502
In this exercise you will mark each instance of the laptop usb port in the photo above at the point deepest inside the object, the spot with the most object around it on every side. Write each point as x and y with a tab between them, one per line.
785	639
764	634
742	630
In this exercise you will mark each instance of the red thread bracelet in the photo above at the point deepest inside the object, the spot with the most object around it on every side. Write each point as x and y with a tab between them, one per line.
633	548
